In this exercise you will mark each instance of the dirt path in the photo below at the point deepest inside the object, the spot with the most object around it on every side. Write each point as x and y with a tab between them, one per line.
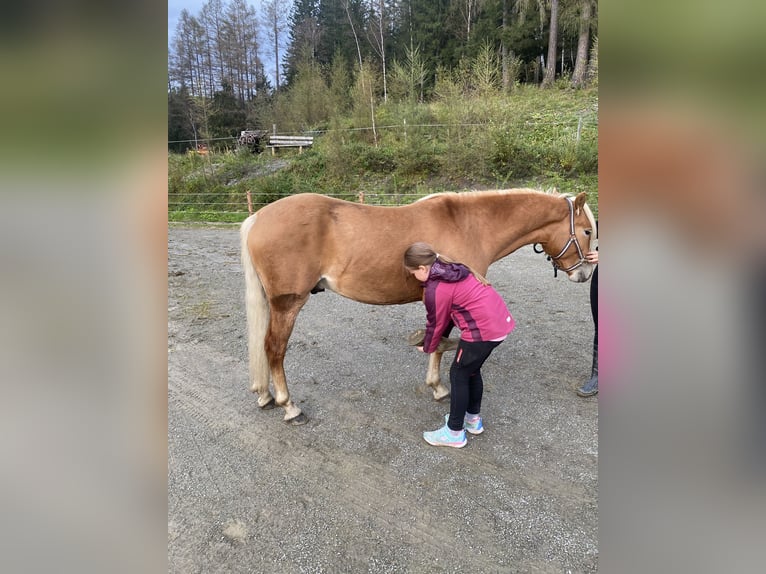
357	489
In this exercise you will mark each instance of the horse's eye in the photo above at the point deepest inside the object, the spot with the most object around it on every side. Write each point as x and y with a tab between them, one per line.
588	232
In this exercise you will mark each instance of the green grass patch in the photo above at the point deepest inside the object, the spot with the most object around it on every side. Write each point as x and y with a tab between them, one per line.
529	138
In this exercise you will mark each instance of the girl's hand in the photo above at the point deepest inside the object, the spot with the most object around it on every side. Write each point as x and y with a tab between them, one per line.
592	257
420	349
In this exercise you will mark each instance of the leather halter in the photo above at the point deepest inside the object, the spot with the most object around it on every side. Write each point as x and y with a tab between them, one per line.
572	240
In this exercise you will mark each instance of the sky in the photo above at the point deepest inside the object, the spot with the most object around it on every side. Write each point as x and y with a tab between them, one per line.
174	11
194	7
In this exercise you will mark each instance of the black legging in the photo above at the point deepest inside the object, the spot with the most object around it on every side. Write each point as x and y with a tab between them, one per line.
465	379
594	303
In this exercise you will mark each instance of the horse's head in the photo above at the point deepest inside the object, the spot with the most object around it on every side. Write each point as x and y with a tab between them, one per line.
572	239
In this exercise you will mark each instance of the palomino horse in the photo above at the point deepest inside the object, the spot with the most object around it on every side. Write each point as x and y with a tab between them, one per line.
305	243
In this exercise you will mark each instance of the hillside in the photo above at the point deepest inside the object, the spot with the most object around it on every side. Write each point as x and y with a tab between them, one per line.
532	137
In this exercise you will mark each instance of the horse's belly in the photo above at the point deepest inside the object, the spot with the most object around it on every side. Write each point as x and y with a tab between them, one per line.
374	293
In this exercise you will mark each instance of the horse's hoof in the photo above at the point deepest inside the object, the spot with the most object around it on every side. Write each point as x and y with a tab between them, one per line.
301	419
438	397
268	406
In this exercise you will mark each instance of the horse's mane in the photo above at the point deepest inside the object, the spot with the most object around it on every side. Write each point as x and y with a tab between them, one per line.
479	193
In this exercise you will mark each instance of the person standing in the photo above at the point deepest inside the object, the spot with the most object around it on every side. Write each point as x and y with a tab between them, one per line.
590	387
455	294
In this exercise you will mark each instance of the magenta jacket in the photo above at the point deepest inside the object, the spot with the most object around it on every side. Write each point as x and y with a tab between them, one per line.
453	293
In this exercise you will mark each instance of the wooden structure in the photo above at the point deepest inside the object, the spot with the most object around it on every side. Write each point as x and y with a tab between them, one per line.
300	142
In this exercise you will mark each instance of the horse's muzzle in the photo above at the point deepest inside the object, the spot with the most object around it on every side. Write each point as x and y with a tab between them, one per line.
582	273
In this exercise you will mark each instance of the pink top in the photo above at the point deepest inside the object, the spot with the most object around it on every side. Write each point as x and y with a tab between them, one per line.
453	293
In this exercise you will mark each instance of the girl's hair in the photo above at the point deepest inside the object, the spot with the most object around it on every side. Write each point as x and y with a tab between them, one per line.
420	253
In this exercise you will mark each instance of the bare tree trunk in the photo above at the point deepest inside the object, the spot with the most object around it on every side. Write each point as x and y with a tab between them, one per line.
504	49
275	15
276	48
553	38
381	28
581	63
361	71
378	42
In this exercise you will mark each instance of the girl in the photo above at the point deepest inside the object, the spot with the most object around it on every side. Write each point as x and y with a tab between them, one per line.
454	294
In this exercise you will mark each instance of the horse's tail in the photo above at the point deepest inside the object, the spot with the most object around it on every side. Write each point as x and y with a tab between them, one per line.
258	314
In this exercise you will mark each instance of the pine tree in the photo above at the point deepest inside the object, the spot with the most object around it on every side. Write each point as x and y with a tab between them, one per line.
303	36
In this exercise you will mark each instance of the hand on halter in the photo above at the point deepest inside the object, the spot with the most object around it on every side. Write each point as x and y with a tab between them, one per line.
592	257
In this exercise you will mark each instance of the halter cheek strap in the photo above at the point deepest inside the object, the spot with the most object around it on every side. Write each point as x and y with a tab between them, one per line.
567	245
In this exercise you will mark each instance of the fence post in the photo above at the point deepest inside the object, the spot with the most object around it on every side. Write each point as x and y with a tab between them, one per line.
249	203
361	197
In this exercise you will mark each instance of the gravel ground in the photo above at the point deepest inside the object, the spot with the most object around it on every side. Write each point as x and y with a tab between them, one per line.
357	489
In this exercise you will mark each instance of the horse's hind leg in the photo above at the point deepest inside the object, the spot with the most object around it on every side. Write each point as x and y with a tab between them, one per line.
284	310
433	379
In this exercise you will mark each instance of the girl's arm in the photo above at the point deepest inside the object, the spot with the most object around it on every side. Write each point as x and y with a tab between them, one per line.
438	305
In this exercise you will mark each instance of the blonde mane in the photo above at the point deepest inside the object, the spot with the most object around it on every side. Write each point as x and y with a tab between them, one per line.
482	192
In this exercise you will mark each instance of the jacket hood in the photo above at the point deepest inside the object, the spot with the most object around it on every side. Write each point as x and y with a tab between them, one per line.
448	272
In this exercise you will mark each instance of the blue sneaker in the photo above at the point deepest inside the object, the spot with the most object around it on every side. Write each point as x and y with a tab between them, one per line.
444	437
473	428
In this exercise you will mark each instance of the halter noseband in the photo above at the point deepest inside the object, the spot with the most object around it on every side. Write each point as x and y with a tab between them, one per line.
572	239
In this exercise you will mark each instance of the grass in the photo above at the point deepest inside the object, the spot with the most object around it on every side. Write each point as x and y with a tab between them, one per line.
530	138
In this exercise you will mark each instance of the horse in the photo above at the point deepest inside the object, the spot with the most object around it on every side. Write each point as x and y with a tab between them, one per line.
306	243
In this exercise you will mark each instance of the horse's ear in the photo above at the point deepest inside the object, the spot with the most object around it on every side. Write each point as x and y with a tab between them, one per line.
580	200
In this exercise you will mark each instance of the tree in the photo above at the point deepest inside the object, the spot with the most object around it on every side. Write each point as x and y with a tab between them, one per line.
587	9
180	130
240	48
522	8
227	116
276	13
469	11
303	36
364	77
504	52
377	34
185	67
423	24
553	38
409	76
484	70
212	61
340	84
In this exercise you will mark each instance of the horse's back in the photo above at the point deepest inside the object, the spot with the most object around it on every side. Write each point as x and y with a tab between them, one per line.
310	240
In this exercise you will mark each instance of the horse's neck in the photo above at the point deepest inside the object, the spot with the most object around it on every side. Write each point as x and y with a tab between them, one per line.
523	218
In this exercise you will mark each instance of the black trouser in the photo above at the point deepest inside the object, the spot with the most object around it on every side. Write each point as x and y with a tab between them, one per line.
465	379
594	303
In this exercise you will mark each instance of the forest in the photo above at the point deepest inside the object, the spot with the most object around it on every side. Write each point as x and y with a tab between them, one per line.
319	52
403	96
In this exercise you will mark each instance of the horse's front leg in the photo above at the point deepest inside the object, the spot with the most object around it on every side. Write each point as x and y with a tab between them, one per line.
284	310
433	379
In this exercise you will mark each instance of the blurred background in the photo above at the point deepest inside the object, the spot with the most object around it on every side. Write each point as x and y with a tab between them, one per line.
83	265
681	434
82	287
